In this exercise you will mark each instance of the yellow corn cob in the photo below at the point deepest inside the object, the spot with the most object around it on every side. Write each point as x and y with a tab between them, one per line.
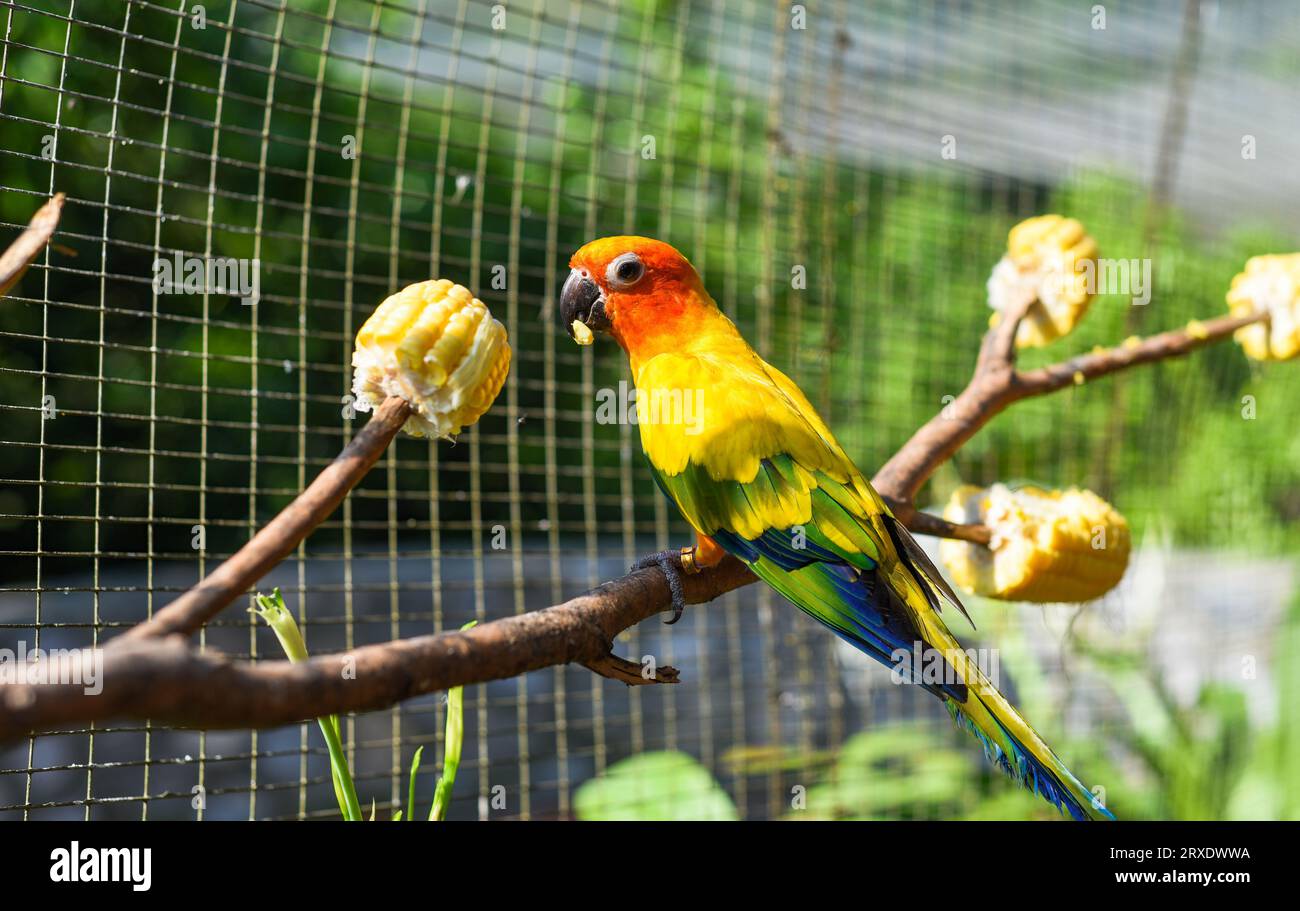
1045	263
1047	546
436	345
1270	283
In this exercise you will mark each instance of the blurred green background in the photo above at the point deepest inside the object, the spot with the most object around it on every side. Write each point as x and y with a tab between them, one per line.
490	143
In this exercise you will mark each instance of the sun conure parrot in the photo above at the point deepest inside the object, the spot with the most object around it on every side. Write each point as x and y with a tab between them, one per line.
759	475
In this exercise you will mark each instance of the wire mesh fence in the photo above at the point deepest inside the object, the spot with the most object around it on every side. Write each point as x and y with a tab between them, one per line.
348	148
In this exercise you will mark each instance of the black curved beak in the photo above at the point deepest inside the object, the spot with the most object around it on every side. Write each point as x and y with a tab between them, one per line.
581	299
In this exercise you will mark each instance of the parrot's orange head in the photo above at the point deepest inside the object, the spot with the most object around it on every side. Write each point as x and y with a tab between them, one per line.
639	290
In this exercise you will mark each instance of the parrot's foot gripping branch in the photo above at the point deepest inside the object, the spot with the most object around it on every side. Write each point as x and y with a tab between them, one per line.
673	563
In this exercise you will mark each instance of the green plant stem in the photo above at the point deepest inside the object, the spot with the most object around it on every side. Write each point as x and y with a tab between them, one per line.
410	788
451	762
344	790
272	609
451	759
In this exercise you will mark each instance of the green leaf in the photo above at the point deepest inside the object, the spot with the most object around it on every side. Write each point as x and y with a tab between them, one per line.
654	786
410	792
455	738
272	609
344	790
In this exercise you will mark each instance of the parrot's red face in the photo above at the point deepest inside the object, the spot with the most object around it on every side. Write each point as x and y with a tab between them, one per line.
639	290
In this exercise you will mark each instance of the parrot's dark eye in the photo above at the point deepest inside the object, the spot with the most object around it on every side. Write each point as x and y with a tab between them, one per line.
625	271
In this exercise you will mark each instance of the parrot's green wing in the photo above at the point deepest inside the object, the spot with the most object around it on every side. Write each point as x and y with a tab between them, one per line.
824	554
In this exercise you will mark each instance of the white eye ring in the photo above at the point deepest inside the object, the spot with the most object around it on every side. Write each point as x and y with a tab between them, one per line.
624	271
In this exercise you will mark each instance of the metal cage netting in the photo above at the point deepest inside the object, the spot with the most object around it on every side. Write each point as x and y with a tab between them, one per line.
844	183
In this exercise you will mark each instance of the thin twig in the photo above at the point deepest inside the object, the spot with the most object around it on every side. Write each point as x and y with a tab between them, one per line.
629	672
924	523
283	533
1155	348
996	384
20	254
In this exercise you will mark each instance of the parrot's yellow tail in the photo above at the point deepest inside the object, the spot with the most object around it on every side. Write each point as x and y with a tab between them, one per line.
975	703
1017	749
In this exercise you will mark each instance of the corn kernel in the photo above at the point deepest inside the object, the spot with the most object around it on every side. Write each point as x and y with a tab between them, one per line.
1047	268
435	345
1271	284
581	334
1047	546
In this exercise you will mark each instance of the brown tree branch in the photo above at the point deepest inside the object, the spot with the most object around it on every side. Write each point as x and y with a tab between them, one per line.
987	393
164	679
20	254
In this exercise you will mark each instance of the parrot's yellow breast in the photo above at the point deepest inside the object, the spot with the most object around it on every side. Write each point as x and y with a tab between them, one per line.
726	411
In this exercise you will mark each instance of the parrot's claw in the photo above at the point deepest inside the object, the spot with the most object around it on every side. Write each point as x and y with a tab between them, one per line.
674	563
